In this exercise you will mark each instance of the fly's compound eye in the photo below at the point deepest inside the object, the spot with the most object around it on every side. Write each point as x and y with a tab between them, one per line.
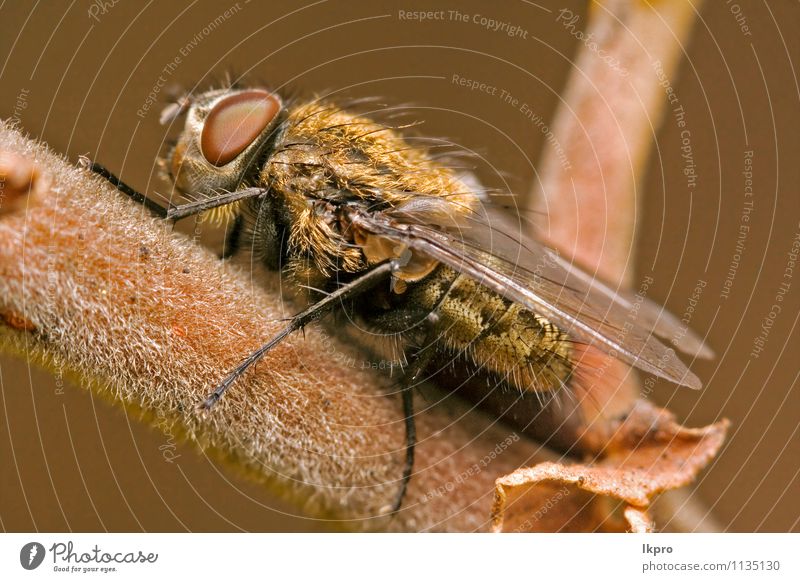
234	123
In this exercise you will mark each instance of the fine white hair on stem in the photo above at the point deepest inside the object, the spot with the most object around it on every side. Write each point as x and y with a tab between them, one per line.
148	318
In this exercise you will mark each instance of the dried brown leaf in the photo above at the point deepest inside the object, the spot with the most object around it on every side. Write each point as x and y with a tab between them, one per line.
649	454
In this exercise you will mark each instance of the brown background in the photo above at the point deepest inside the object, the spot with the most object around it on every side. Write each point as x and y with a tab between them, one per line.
71	462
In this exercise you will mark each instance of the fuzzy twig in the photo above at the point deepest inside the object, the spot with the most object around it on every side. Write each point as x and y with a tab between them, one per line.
90	285
588	185
590	176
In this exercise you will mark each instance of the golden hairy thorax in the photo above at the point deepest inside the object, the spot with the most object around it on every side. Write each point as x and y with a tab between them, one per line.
326	154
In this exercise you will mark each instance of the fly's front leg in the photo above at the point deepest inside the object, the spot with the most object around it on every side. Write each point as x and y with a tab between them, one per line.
137	196
172	212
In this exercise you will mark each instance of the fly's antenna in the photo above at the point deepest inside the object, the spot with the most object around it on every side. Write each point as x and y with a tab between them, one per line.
174	110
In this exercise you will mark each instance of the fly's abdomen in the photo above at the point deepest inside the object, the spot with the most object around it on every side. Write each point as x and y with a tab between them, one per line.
498	335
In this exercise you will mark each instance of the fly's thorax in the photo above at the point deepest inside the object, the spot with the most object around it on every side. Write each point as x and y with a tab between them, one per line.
326	158
494	333
330	151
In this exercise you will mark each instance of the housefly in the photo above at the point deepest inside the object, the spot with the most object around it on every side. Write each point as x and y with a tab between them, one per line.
375	226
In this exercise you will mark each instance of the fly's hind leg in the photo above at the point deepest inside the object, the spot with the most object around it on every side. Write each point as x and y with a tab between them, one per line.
412	377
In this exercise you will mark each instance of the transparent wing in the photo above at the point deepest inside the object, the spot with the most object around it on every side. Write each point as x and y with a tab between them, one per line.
481	246
513	242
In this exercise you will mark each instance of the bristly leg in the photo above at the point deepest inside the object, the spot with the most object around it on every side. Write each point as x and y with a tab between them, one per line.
348	291
173	212
101	170
418	365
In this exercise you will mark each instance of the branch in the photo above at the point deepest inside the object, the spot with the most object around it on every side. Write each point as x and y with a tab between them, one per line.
588	190
91	285
606	128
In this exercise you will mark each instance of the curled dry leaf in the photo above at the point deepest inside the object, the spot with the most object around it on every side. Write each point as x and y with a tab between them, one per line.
639	520
649	454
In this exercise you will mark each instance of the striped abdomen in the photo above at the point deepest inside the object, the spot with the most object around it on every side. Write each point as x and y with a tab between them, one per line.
496	334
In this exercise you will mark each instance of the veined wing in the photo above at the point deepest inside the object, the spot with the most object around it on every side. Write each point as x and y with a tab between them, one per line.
532	275
509	239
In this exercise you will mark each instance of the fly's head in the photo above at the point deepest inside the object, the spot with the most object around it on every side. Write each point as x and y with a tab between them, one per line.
224	137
